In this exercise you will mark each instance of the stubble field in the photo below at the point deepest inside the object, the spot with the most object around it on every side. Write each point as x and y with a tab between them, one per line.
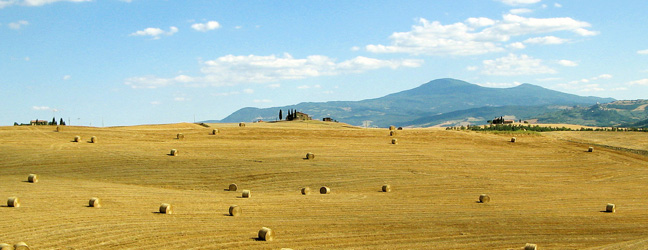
543	190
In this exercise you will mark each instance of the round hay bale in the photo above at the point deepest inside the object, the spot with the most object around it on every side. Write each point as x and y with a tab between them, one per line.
484	198
400	128
392	133
610	208
233	187
13	202
246	194
590	149
21	246
166	208
513	139
94	202
215	131
93	139
242	124
33	178
394	141
306	191
325	190
386	188
5	246
77	139
310	156
234	210
530	246
174	152
179	136
266	234
392	127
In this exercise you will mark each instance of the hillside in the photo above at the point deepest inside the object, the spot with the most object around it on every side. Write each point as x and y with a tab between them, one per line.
434	98
626	113
543	190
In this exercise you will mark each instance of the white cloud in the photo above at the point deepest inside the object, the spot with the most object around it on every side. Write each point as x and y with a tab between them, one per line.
643	52
520	11
568	63
499	85
592	88
248	91
274	85
557	5
204	27
155	103
180	99
512	65
474	36
355	48
546	40
516	45
18	25
67	77
472	68
34	3
518	2
603	76
643	82
40	108
156	33
303	87
232	70
227	93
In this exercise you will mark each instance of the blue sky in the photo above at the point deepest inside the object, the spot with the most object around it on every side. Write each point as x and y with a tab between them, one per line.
118	62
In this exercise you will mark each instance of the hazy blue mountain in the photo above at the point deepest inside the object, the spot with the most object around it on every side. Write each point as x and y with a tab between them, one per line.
429	104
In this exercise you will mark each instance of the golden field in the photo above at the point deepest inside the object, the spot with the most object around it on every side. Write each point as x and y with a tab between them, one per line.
543	189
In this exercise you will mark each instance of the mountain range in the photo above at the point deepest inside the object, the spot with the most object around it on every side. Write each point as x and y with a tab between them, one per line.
441	102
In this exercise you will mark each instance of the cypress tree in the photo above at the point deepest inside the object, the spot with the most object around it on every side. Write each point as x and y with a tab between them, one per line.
280	115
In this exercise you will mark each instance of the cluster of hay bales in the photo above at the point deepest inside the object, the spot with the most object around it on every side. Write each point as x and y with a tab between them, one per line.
305	191
94	202
266	234
325	190
246	194
166	208
32	178
610	208
234	210
484	198
530	246
310	156
13	202
174	152
386	188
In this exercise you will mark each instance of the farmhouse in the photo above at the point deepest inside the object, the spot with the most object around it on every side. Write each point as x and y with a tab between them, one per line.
298	116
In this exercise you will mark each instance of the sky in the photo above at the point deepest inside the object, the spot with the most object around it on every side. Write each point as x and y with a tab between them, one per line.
130	62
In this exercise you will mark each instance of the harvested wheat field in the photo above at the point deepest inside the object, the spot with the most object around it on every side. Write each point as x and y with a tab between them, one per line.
543	190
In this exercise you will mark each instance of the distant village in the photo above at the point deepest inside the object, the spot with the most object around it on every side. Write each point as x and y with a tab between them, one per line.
41	122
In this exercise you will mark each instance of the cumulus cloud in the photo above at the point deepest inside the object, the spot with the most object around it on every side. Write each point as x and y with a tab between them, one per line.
476	36
40	108
34	3
232	70
155	33
643	82
546	40
520	11
18	25
585	84
204	27
518	2
568	63
557	5
248	91
274	85
513	64
516	45
643	52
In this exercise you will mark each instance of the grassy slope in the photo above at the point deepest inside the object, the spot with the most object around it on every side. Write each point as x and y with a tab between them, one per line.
543	190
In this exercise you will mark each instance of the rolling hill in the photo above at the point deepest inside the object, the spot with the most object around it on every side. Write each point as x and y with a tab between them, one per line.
429	104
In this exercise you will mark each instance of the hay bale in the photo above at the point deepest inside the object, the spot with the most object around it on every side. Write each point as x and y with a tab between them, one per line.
610	208
325	190
392	133
77	139
166	208
530	246
5	246
590	149
242	124
266	234
234	210
58	129
386	188
484	198
215	131
246	194
93	139
94	202
179	136
310	156
174	152
394	141
392	127
21	246
306	191
233	187
13	202
33	178
513	139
